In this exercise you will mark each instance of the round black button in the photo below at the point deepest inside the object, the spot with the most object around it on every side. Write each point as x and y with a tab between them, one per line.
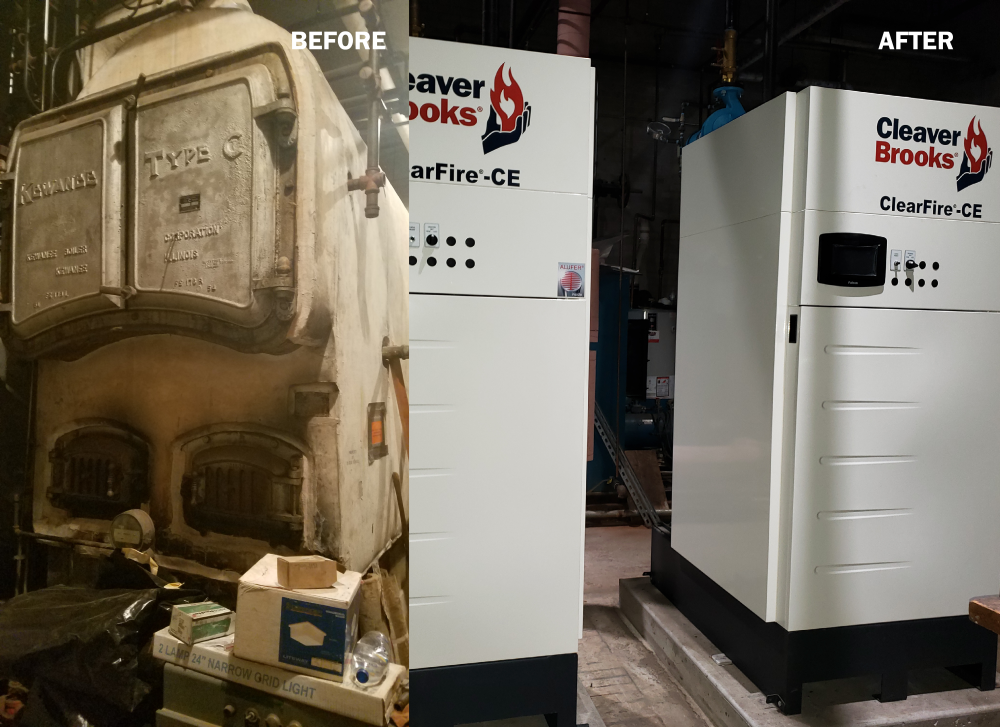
469	242
921	283
432	240
451	240
895	281
413	260
922	265
451	262
933	283
909	282
470	263
935	266
432	261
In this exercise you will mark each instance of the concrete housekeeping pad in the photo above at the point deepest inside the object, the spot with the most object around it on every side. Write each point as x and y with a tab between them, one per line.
937	697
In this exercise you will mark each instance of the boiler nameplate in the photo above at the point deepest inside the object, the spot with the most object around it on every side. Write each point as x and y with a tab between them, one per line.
59	219
194	195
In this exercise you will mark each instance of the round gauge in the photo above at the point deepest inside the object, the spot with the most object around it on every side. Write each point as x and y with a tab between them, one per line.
132	529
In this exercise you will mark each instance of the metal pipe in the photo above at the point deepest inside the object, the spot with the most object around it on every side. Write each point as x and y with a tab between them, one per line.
510	26
728	60
732	14
374	138
622	514
621	252
19	558
45	48
659	274
770	31
573	28
347	71
108	31
60	539
416	29
635	236
374	178
26	76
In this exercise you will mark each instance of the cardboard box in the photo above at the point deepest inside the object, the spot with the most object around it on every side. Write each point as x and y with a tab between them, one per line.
306	571
194	622
215	658
309	630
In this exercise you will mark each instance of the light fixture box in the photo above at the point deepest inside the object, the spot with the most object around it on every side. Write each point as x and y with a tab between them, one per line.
306	571
194	622
307	630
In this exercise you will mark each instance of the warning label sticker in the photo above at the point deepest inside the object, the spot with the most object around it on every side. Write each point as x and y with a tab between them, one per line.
571	277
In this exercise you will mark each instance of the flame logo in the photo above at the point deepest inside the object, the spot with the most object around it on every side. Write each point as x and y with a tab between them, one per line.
975	146
504	97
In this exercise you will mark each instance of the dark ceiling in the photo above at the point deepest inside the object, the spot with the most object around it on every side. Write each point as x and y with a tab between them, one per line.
825	42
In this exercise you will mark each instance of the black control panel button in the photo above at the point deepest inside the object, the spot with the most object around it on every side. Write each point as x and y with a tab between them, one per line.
935	266
451	241
921	282
432	240
432	261
413	260
895	281
470	263
470	242
933	283
451	262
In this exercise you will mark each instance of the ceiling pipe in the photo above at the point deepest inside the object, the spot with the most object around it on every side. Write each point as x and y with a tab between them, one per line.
799	28
573	28
770	49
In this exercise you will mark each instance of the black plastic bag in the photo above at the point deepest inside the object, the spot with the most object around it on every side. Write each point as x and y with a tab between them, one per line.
78	650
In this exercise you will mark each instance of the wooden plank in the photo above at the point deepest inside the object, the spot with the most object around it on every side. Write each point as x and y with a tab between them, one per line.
985	611
647	469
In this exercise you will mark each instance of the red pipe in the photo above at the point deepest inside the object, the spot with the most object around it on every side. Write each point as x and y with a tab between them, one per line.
573	28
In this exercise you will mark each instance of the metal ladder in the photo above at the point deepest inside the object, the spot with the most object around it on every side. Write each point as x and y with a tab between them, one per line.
646	511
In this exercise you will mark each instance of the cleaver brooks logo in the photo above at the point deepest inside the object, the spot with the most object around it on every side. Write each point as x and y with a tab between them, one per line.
978	157
508	119
976	160
509	114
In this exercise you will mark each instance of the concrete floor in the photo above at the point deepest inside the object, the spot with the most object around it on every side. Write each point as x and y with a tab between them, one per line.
618	670
627	684
611	554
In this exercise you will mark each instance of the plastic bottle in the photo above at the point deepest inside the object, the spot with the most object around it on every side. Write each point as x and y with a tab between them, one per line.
370	659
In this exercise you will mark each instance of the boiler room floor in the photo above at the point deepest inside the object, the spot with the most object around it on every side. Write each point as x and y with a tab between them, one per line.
619	673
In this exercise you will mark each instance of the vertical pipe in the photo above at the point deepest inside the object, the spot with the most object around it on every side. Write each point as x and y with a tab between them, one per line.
729	46
26	74
573	28
656	144
45	50
374	136
416	29
19	558
770	31
510	26
621	252
493	22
